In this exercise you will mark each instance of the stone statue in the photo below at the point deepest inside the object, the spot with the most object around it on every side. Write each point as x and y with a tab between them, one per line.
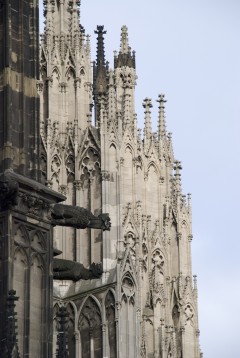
78	217
71	270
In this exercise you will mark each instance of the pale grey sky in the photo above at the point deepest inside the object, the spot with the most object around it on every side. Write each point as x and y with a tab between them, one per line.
190	51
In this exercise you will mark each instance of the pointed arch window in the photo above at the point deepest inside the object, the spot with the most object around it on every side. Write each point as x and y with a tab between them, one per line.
110	317
90	327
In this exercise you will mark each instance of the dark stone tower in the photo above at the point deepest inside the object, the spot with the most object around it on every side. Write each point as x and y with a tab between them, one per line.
19	122
25	228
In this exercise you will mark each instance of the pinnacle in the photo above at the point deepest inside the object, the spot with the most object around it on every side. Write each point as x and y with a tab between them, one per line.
100	45
126	57
57	10
178	168
124	46
161	117
147	104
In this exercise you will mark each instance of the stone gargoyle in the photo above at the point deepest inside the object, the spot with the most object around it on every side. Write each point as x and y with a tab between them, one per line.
8	192
71	270
78	217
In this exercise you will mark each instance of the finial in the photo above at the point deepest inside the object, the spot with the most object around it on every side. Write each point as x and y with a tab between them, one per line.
126	57
124	46
100	45
147	104
99	67
161	116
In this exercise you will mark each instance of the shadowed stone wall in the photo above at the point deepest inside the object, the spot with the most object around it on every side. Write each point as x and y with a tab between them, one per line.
19	115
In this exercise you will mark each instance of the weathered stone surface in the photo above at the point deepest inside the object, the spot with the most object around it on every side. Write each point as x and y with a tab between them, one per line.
78	217
26	251
71	270
19	117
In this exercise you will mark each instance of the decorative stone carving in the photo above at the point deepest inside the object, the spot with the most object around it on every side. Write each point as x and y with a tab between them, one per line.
71	270
144	257
39	86
70	165
10	348
188	312
130	241
8	192
91	313
33	203
63	189
78	184
55	167
128	286
158	276
90	163
62	337
78	217
105	175
90	326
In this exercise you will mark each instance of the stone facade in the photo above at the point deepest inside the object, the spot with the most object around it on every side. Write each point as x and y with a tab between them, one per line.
145	303
26	245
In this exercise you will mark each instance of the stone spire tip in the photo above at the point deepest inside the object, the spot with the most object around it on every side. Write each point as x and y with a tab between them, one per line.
124	45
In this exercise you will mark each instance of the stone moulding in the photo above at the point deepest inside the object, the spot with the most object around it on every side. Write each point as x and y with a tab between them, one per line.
26	195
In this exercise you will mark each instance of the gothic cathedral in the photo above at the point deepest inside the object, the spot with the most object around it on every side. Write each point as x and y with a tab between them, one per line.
92	152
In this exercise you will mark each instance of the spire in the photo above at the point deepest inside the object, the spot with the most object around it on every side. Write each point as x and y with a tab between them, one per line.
88	48
99	71
99	67
147	104
178	167
75	12
125	56
63	20
126	108
170	147
124	46
161	116
48	9
100	46
111	97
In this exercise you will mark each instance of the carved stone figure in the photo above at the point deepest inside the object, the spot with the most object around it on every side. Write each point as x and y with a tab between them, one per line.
78	217
8	192
71	270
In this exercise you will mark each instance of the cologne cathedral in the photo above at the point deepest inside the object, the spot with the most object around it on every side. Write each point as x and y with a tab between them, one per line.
93	155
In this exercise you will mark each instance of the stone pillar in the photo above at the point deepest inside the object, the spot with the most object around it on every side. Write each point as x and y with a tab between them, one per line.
19	102
26	252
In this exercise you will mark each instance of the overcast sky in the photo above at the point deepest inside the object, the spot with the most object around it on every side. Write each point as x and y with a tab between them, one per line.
190	51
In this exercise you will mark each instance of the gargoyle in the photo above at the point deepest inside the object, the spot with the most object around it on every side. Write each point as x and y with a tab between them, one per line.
71	270
78	217
8	192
